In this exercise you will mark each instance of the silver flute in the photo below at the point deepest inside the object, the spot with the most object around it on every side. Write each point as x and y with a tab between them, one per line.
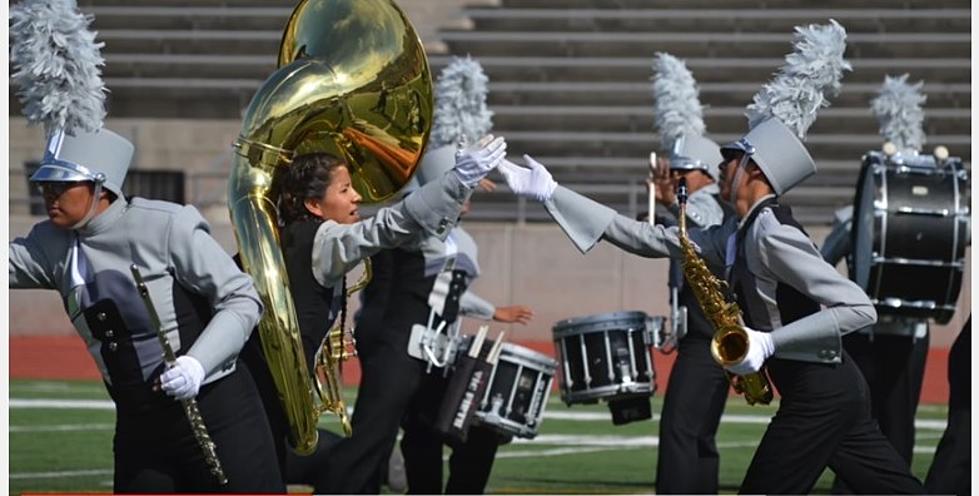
190	405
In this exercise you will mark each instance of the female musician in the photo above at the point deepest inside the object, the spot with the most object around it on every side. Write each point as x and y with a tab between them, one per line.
207	308
323	238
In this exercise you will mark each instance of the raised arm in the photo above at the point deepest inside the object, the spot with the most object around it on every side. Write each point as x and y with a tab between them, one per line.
586	221
433	210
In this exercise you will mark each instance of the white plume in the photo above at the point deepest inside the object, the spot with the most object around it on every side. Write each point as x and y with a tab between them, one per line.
810	76
461	116
898	111
56	62
676	100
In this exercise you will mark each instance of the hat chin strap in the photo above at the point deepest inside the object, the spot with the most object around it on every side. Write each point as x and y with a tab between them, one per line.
742	166
97	192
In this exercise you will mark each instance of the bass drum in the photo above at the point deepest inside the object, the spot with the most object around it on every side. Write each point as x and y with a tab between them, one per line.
910	229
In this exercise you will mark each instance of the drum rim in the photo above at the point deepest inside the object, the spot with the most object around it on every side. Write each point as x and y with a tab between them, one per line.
603	392
567	326
529	354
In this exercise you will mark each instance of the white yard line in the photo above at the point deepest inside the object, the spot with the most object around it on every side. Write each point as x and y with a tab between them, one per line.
62	404
61	428
66	473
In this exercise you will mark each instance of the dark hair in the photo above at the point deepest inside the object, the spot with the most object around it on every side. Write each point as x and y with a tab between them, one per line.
306	178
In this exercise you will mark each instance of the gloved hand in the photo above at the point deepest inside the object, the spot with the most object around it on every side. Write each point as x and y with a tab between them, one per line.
760	347
183	380
535	183
474	162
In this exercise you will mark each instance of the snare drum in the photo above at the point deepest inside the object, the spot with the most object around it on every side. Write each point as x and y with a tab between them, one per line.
910	218
605	356
519	387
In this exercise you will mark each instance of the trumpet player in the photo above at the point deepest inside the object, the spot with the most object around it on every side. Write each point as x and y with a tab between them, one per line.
323	237
796	306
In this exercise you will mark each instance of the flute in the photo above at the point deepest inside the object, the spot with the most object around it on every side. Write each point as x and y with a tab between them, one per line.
190	405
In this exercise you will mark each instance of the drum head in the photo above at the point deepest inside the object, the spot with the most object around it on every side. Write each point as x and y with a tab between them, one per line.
862	227
599	322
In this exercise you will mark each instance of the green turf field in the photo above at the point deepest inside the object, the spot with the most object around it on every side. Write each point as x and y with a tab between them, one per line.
60	440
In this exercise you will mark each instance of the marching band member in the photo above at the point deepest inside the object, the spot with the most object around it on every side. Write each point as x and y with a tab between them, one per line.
951	469
323	238
408	283
94	234
461	116
891	355
688	459
796	306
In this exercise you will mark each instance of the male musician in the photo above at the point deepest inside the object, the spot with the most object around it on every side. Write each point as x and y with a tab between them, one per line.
207	309
471	462
891	355
688	459
795	306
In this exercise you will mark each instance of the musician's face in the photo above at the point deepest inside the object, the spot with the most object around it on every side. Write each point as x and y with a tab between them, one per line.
728	170
67	203
339	201
696	179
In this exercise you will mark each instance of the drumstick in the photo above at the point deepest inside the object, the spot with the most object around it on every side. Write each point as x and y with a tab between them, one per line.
652	187
494	353
478	341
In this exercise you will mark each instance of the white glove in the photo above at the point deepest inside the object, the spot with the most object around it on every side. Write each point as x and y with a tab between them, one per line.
475	162
535	183
760	347
183	380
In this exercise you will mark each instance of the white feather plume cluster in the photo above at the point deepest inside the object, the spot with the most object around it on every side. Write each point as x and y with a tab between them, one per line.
461	115
676	100
56	66
899	114
810	76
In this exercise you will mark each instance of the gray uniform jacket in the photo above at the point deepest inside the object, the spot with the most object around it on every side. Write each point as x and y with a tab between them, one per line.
835	247
775	253
431	211
179	261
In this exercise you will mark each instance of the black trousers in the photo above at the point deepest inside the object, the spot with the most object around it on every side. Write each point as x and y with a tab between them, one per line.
824	420
952	467
157	452
894	367
688	459
471	462
390	378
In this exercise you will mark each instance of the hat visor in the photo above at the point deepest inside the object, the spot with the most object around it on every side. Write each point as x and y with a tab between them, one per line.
58	173
731	150
686	164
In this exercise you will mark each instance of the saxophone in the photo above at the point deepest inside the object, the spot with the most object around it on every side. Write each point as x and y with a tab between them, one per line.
730	342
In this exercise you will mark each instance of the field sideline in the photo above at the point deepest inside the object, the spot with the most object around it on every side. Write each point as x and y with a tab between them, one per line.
61	435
